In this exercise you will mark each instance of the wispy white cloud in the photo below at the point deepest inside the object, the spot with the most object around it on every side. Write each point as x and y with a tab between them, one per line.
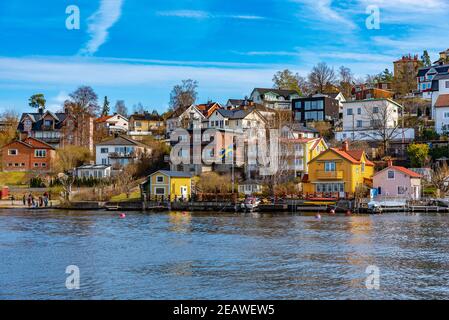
199	14
99	24
324	12
57	102
268	53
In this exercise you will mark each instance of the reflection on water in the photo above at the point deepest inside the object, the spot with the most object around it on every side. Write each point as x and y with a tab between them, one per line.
222	256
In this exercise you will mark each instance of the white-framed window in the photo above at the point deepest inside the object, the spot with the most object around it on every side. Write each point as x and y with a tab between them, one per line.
35	164
159	191
160	179
401	189
13	152
43	165
40	153
104	150
375	109
329	166
390	174
359	110
359	123
349	112
446	114
447	84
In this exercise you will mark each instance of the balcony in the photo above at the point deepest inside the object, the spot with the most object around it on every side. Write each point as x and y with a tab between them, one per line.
330	175
125	155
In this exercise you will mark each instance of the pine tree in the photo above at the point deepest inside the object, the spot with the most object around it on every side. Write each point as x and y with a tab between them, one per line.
426	59
105	110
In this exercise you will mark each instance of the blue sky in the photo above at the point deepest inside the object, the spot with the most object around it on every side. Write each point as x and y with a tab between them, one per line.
138	50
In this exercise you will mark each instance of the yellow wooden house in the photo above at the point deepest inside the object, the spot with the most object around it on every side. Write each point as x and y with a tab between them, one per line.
173	185
338	172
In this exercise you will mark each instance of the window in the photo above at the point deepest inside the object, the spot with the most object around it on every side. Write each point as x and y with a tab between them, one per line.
447	84
359	123
13	152
104	161
298	116
359	110
160	179
363	166
40	153
43	165
137	124
390	174
329	166
48	123
375	109
379	190
159	191
35	165
401	190
307	105
446	114
104	150
349	112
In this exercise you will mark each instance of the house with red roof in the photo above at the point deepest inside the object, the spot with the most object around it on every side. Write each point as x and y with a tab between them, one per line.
396	181
30	154
339	173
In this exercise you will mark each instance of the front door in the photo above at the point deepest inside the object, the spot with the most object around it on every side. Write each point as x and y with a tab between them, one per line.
184	192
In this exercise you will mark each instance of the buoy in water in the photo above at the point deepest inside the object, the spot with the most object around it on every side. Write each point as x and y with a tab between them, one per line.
122	216
318	216
348	213
332	212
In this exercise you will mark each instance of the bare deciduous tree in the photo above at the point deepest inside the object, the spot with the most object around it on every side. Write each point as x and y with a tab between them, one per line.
384	124
321	77
440	179
184	94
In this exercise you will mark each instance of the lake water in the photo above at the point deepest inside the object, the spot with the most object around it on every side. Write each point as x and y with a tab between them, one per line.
222	256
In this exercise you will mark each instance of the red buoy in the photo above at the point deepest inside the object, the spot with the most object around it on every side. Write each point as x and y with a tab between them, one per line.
348	213
122	216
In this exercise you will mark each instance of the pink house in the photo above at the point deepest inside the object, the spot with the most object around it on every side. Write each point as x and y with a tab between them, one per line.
395	181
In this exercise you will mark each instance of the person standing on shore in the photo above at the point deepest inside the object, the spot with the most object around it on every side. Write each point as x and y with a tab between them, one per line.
24	200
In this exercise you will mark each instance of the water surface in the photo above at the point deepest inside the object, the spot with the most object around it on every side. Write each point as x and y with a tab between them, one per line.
222	256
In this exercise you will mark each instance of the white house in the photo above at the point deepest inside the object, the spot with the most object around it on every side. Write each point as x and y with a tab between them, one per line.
114	123
238	120
119	151
362	117
425	78
274	98
193	117
441	111
96	171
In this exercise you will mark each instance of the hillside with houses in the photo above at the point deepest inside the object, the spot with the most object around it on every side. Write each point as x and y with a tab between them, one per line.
336	137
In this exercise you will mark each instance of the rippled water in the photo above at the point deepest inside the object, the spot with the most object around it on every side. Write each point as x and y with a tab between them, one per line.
222	256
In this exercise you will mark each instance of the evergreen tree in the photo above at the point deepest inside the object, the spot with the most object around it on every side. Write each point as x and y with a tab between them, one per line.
426	59
106	109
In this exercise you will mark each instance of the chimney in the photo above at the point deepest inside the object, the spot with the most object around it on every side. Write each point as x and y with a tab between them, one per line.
389	162
345	146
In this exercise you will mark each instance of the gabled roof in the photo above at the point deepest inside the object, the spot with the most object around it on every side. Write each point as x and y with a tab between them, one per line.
280	92
404	170
147	116
440	69
441	76
103	119
442	101
236	102
176	174
121	141
353	156
31	142
37	119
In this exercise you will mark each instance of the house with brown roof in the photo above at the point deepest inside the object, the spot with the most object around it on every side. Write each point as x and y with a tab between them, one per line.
192	117
396	181
30	154
115	123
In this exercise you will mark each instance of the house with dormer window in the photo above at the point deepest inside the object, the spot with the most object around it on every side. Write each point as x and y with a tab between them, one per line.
277	99
426	76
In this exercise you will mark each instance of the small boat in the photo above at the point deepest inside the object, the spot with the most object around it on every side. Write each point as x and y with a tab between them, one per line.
250	204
